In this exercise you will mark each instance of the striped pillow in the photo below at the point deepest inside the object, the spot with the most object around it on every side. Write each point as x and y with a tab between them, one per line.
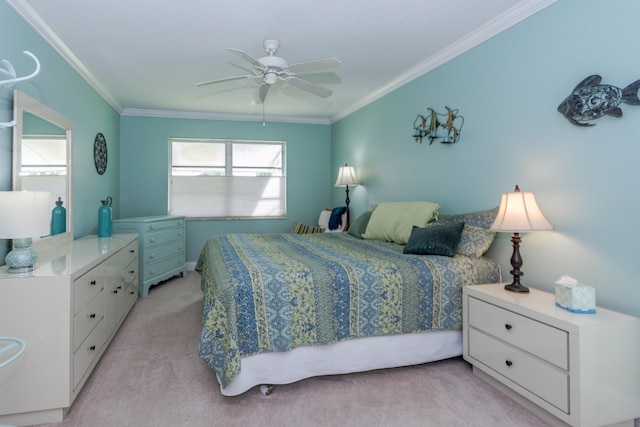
300	228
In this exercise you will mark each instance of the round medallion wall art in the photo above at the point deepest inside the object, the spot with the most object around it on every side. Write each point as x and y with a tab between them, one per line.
100	153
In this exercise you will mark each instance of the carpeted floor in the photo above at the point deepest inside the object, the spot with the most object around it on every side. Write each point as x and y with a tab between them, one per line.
151	375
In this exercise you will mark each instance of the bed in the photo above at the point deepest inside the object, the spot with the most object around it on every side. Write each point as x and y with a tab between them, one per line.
279	308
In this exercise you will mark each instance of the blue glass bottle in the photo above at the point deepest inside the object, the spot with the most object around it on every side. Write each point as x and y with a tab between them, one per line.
104	218
58	218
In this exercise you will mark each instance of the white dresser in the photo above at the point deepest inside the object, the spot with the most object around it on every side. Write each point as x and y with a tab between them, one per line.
162	247
572	369
67	311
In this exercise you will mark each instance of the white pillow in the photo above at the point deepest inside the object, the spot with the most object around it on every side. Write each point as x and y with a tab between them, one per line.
325	216
393	221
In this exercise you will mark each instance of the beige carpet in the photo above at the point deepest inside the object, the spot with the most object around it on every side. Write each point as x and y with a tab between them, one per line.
151	375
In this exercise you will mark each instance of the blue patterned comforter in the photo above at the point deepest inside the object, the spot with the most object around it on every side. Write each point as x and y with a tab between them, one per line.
275	292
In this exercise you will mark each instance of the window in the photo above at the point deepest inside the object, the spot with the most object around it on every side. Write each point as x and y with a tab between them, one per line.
213	178
43	163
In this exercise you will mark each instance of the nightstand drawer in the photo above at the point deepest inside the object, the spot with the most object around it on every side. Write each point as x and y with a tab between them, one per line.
531	373
539	339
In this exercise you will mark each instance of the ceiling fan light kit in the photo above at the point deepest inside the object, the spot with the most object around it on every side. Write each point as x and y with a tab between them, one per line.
271	68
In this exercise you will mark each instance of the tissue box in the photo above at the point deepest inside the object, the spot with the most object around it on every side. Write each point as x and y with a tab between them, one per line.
576	299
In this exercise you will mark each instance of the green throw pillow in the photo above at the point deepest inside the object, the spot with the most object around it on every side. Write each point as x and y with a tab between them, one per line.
434	240
392	221
359	226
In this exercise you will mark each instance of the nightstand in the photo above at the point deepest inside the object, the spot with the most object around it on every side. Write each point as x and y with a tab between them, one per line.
571	369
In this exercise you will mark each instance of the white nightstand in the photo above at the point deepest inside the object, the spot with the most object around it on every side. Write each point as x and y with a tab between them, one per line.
580	369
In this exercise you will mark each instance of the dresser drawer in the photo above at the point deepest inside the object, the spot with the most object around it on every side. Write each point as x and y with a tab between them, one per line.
161	225
87	352
161	237
86	287
158	268
538	338
160	252
529	372
130	272
87	319
130	252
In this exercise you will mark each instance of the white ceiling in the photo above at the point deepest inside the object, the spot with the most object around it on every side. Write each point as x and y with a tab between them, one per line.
144	56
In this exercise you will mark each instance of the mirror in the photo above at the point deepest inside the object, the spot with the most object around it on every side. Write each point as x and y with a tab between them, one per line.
42	158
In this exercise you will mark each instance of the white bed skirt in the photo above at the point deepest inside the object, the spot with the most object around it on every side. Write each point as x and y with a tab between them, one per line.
356	355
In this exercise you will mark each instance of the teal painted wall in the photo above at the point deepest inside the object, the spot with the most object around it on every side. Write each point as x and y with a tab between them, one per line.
60	87
145	158
508	89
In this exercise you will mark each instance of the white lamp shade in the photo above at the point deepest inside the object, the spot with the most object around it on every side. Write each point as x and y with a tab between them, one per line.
518	213
346	176
24	214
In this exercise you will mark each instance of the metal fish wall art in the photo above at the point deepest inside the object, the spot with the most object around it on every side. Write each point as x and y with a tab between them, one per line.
591	100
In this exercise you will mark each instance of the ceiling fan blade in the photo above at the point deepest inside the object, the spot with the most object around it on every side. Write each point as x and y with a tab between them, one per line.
263	89
308	87
228	79
314	66
246	57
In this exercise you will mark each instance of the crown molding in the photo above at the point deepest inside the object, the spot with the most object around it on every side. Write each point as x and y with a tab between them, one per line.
514	15
36	21
166	114
508	19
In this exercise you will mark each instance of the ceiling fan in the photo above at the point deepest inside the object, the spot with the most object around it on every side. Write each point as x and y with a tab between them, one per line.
271	69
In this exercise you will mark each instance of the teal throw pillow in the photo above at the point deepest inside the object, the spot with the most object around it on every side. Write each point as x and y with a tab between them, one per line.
434	240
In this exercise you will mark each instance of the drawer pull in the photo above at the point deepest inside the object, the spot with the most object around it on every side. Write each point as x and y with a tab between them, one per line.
115	291
93	283
152	240
508	363
152	255
133	251
92	316
92	348
131	271
507	326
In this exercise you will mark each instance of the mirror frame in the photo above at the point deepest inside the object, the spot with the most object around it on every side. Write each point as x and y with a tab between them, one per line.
23	103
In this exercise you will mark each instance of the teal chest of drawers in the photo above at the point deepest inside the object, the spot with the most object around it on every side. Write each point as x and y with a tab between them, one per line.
162	247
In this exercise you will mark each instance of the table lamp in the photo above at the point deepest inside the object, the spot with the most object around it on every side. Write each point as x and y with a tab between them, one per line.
347	177
23	215
519	213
